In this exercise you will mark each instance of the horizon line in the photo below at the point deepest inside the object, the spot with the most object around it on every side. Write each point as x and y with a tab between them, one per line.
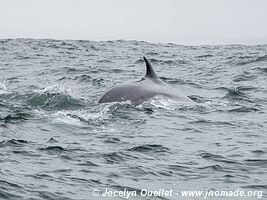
187	43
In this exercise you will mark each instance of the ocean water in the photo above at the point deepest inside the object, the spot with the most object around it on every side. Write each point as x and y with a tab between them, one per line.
57	142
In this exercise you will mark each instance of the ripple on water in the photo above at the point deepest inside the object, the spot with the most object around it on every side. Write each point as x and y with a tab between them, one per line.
13	143
9	190
56	141
237	93
217	158
244	109
149	148
117	157
247	60
53	149
15	118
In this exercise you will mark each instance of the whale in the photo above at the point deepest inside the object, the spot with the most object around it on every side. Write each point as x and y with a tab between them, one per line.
143	90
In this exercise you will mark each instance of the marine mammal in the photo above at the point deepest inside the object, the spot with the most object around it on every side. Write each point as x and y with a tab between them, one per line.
138	92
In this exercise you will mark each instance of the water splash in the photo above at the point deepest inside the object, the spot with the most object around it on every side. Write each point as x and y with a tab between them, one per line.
4	89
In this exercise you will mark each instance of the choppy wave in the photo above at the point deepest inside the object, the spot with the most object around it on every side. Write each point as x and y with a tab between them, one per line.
56	141
247	59
237	93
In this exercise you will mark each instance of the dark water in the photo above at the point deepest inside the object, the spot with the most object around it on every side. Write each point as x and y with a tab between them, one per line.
57	142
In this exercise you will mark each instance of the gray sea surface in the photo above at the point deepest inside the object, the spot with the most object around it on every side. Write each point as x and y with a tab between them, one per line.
58	142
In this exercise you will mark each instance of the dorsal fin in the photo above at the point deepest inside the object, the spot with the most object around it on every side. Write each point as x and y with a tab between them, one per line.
149	70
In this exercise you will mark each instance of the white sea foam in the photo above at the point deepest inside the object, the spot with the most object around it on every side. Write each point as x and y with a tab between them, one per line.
4	89
54	89
65	89
164	102
64	117
77	117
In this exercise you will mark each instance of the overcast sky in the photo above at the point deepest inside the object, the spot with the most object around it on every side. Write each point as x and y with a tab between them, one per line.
177	21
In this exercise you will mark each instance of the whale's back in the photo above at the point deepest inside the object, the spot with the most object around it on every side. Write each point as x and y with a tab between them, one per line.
135	93
140	91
